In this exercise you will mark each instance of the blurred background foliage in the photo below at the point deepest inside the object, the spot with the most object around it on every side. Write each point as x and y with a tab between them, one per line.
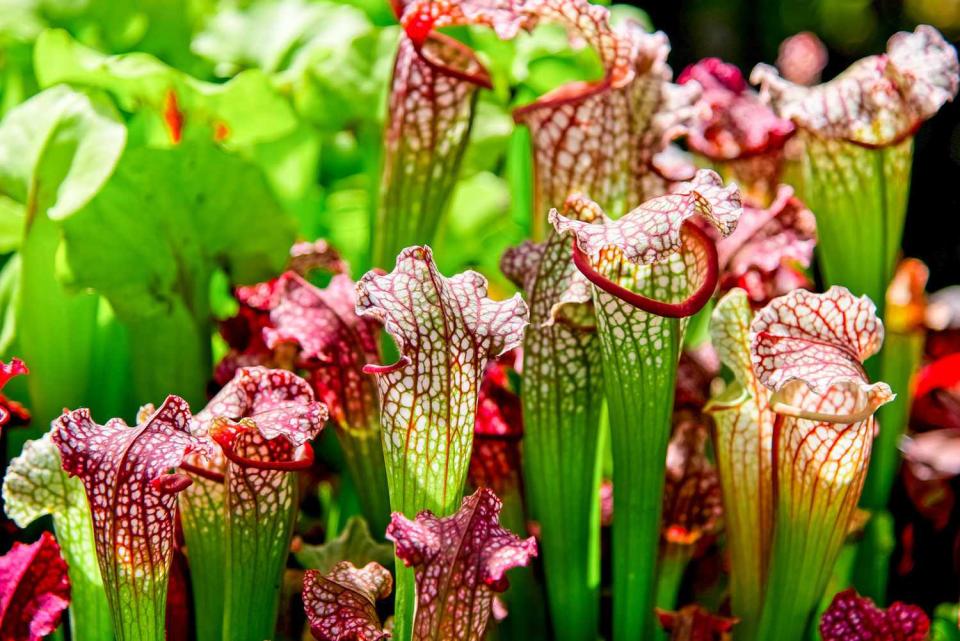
298	90
314	111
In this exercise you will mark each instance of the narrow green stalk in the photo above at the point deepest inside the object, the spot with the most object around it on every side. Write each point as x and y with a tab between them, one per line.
897	363
363	453
204	527
526	615
639	368
89	612
258	532
860	198
562	397
809	531
871	569
796	581
59	360
673	565
839	581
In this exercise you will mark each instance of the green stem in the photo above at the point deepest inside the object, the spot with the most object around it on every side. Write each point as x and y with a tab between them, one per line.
136	616
839	581
639	370
202	516
859	196
258	536
410	495
673	565
89	612
562	398
872	567
363	452
405	603
897	362
809	532
55	331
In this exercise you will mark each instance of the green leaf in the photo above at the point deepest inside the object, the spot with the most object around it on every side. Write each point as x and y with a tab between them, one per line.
151	241
354	544
562	398
12	216
328	55
268	34
56	152
9	293
247	106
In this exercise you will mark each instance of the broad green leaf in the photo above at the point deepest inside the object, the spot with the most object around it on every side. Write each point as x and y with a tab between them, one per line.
562	399
12	215
245	110
354	544
57	149
328	55
268	34
56	152
9	292
152	239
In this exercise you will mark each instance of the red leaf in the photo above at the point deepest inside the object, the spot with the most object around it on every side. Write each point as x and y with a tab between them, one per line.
459	562
852	617
341	604
34	590
334	343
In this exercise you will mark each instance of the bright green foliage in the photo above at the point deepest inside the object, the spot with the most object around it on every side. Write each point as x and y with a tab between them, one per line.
56	152
353	544
198	209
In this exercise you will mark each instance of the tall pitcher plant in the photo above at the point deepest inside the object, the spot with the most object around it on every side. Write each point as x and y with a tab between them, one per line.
793	438
856	133
650	270
446	330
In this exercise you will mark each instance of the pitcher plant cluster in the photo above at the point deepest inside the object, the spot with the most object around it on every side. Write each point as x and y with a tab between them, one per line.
666	385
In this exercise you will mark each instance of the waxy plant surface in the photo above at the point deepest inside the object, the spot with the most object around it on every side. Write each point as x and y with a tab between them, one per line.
468	320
